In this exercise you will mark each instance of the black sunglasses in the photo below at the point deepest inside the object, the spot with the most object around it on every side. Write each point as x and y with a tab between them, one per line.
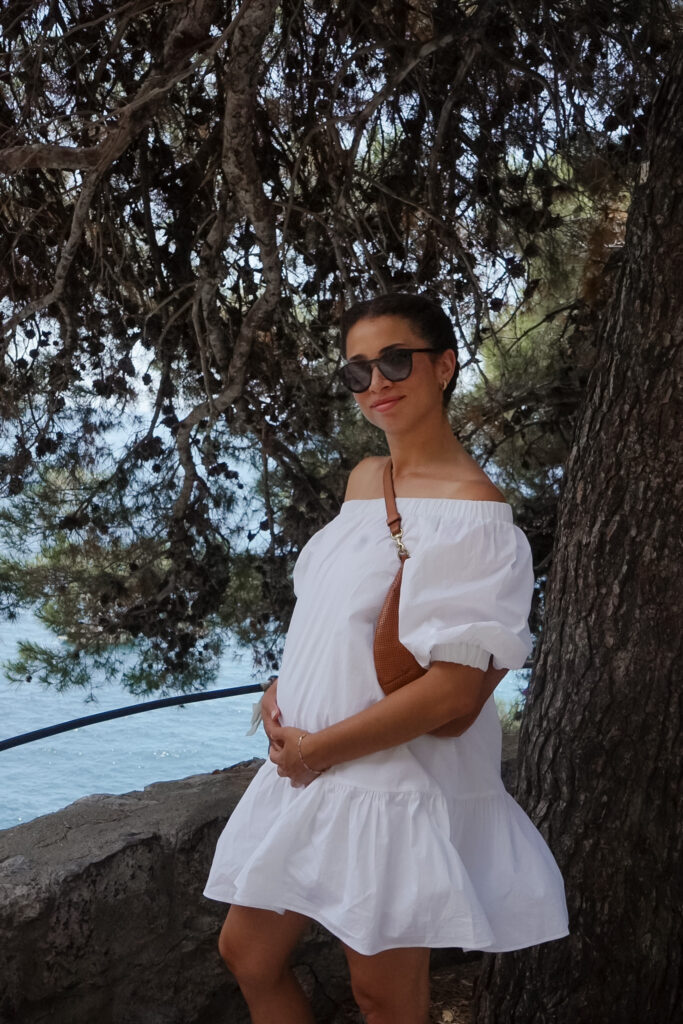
396	364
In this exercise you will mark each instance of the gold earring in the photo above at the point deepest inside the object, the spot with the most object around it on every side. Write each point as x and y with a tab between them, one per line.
444	385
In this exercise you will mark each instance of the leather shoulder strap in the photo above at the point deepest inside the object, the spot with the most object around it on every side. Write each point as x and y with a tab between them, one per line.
393	517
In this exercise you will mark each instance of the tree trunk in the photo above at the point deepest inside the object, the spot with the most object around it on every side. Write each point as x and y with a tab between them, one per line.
600	770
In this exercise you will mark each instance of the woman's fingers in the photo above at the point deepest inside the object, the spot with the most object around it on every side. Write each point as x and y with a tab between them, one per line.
270	712
277	734
284	753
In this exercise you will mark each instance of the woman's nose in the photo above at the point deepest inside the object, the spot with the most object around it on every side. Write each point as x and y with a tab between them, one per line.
378	379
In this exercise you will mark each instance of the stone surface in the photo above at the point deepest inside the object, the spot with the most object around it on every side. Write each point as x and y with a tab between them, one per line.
102	916
101	912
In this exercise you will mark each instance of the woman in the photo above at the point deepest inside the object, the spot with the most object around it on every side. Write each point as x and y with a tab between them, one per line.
396	840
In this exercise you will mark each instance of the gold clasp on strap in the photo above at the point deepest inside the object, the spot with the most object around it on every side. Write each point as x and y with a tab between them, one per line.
401	549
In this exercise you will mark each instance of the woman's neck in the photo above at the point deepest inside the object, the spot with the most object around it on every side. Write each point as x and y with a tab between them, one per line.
425	453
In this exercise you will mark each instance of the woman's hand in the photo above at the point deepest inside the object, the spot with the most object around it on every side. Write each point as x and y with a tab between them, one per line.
270	712
284	752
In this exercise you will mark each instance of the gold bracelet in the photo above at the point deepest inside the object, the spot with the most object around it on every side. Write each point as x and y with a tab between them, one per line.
306	766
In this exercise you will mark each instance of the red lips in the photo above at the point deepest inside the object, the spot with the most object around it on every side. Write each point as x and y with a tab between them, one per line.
385	400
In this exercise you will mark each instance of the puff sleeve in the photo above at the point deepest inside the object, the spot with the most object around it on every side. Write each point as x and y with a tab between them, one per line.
466	594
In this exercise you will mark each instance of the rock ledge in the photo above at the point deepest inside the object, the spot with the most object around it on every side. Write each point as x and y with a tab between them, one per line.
102	915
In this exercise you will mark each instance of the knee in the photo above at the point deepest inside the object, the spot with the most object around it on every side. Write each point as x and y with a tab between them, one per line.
370	1002
227	951
386	1004
240	960
250	968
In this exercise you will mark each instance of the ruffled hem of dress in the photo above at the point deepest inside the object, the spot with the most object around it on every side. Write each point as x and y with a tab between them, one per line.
368	949
406	884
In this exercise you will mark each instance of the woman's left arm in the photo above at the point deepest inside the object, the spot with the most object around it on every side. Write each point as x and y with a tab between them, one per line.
446	691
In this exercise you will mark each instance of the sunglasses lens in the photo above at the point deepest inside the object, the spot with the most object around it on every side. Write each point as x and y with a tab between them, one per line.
397	364
356	376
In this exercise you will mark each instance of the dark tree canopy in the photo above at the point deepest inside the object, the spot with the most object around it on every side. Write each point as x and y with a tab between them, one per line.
190	194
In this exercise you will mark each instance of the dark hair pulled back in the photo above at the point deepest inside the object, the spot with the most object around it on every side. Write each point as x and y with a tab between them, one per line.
426	318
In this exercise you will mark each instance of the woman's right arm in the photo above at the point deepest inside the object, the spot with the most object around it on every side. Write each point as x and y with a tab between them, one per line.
491	679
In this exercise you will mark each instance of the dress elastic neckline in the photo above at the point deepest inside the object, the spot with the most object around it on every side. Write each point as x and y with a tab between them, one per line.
466	506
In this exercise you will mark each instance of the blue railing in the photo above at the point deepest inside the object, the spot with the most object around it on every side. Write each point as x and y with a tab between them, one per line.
133	709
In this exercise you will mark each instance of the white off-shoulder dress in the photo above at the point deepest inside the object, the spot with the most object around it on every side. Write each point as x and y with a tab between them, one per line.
418	845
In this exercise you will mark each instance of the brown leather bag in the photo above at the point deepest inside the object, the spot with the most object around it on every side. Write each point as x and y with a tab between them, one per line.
394	664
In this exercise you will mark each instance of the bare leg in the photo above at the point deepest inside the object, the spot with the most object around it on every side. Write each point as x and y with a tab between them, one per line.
256	945
391	987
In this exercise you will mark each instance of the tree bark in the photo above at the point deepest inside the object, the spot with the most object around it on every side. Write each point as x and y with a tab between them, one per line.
600	770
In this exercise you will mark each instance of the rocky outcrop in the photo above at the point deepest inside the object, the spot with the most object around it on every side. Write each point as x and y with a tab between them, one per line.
102	916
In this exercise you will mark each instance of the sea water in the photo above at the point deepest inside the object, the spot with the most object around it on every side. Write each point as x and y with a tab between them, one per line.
127	753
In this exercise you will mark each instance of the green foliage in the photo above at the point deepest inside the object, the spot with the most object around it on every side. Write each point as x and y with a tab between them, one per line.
189	199
510	715
519	414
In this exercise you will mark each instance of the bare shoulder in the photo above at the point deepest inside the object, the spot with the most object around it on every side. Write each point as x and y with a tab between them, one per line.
363	477
479	490
365	482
